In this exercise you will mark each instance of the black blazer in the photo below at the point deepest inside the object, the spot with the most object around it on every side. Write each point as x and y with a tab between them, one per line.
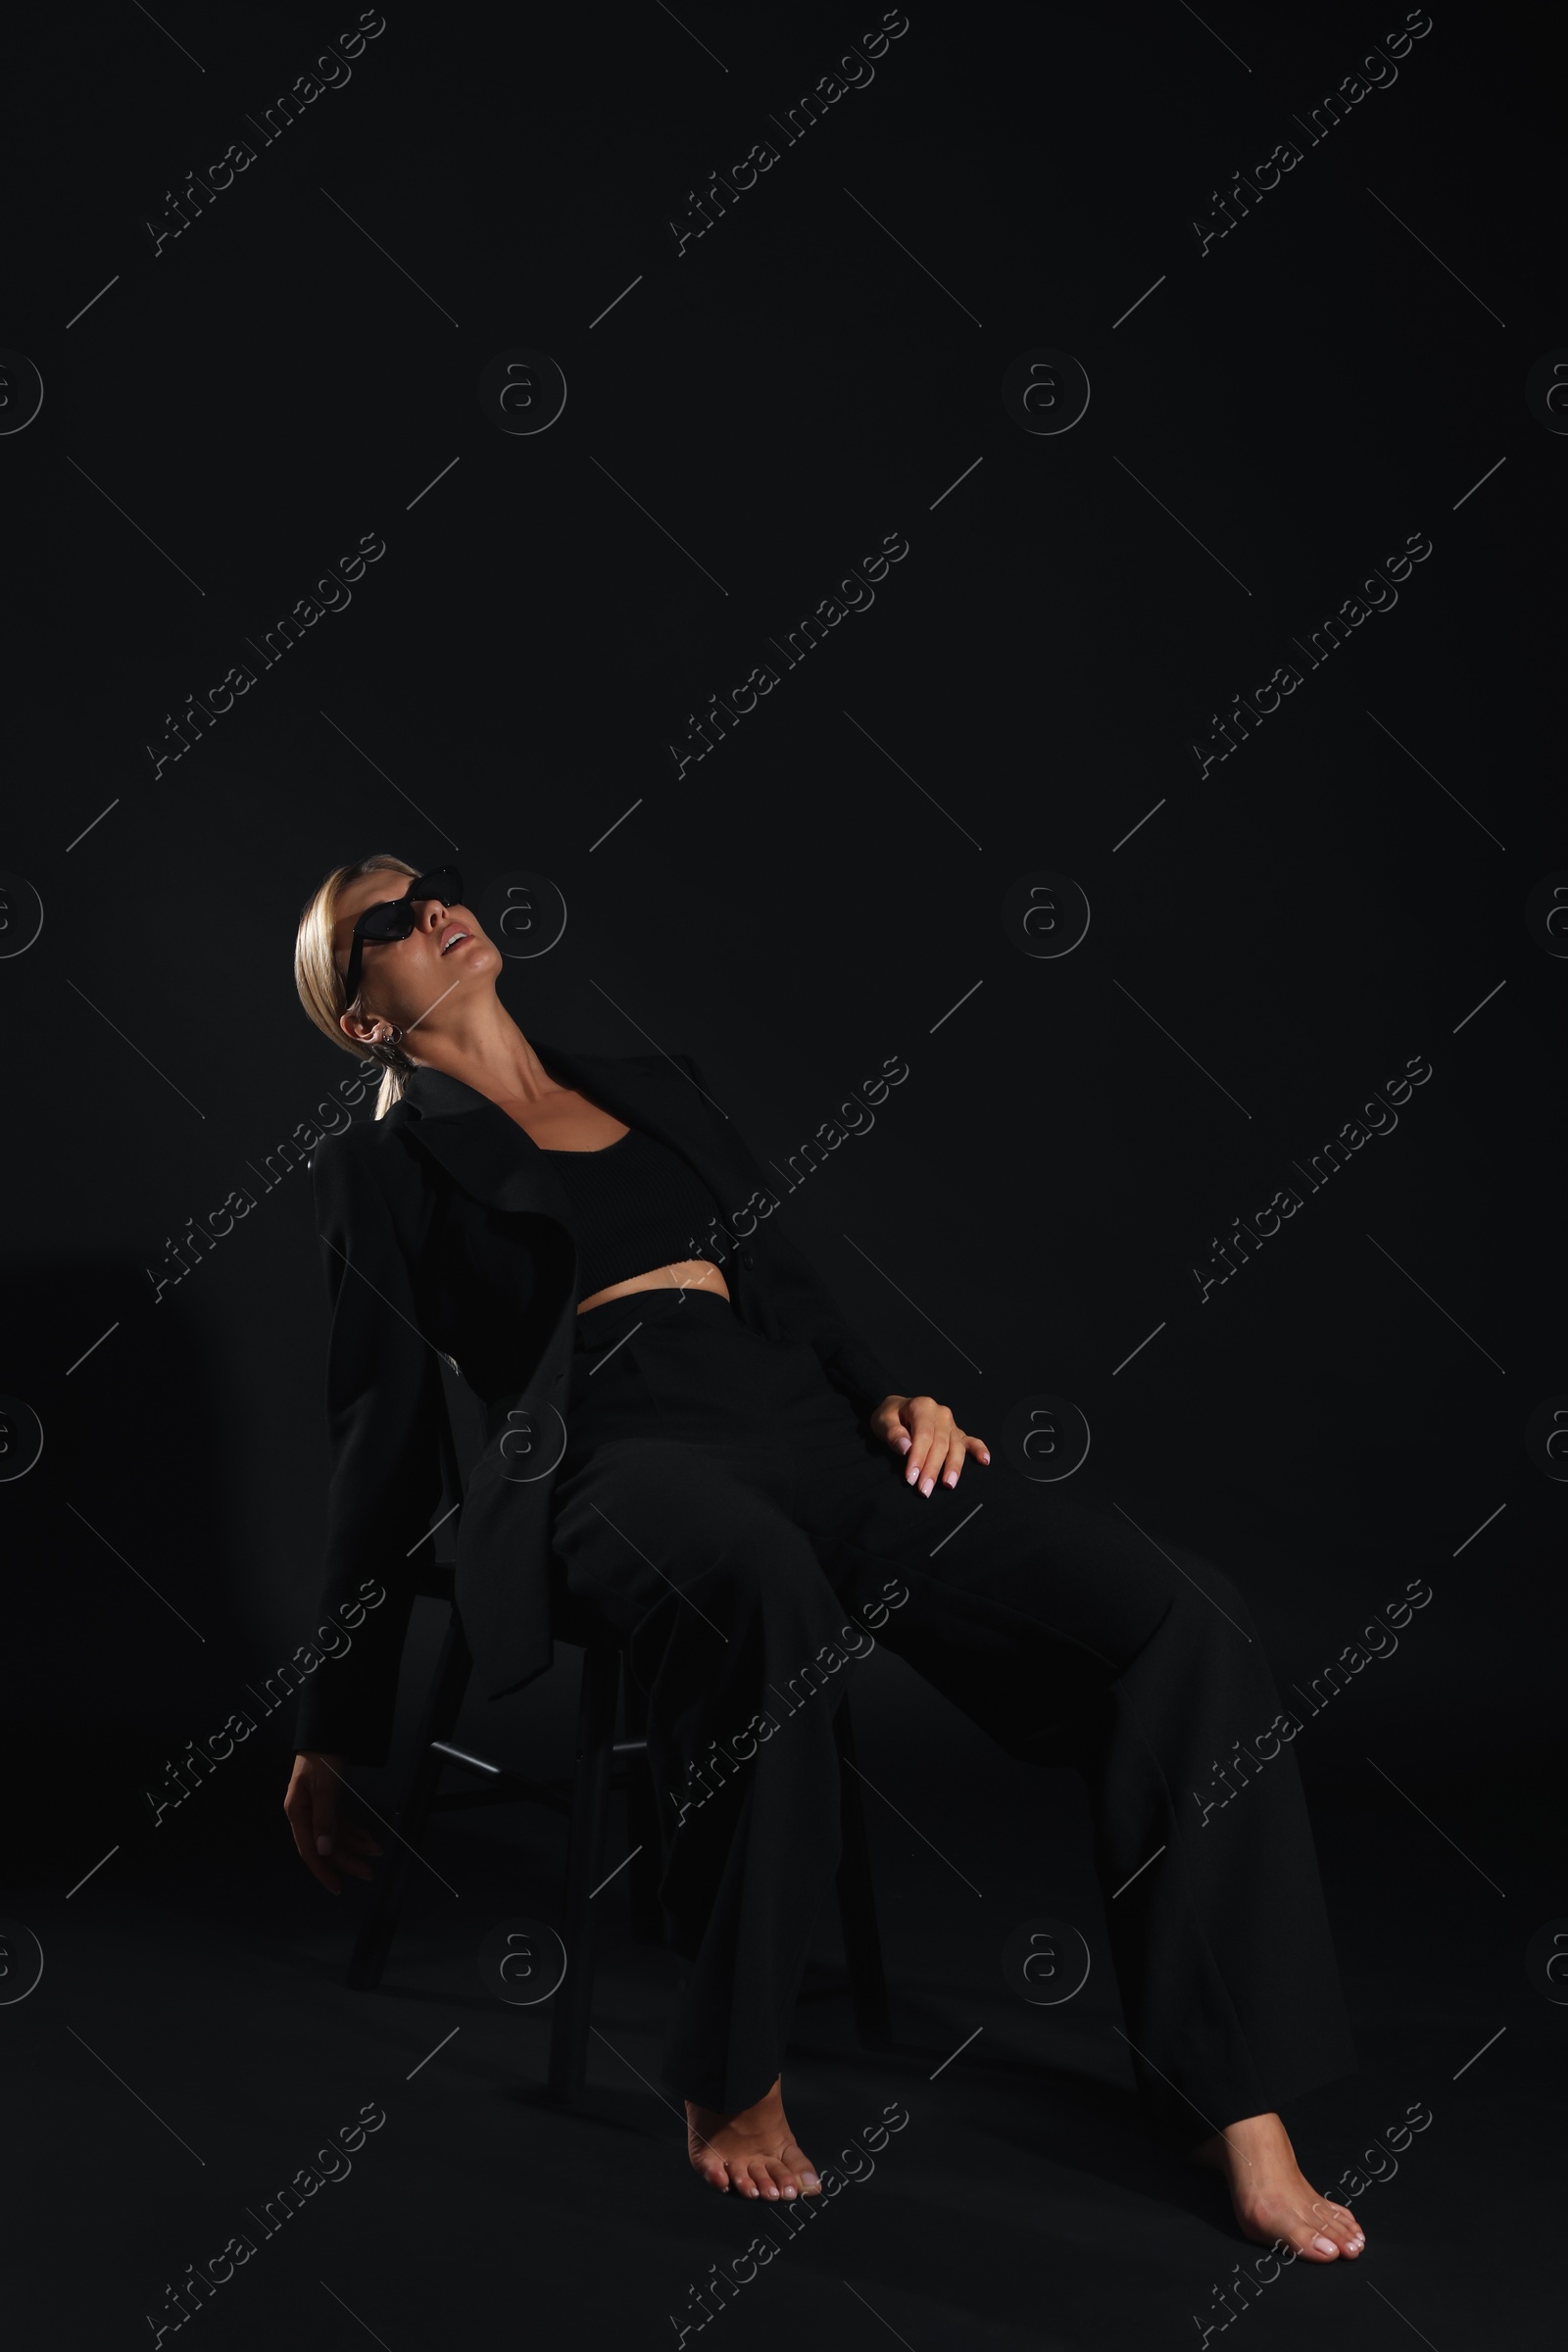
446	1231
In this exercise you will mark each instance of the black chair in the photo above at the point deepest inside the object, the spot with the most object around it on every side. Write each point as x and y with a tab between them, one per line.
602	1763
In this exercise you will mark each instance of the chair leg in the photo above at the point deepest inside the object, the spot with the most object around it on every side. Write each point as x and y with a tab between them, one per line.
595	1731
412	1816
643	1824
862	1943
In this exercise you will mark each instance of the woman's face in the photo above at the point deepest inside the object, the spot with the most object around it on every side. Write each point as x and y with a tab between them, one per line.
402	981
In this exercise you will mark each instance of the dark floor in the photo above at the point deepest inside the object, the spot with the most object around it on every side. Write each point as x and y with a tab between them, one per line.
192	2043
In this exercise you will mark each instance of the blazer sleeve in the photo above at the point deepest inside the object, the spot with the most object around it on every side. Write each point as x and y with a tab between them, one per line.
383	1410
804	1300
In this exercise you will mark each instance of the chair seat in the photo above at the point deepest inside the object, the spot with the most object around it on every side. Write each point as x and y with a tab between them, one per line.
601	1765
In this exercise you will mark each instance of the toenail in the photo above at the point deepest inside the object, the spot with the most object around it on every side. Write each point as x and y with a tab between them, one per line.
789	2192
812	2180
1325	2245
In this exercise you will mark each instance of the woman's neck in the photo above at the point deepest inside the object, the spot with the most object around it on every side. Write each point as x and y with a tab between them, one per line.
488	1051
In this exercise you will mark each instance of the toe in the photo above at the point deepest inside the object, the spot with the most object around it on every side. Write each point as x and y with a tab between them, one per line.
1333	2221
762	2182
783	2177
740	2173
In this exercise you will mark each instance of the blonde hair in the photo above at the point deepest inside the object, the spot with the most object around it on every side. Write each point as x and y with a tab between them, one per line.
321	984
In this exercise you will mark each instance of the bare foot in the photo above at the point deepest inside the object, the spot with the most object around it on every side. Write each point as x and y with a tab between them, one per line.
1272	2197
755	2151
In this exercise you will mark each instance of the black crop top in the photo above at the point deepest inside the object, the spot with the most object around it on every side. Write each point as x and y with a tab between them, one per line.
636	1206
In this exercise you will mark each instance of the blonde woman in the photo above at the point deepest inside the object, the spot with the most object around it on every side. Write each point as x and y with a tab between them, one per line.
690	1452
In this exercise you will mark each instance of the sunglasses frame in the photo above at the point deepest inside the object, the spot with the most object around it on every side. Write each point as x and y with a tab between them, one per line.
394	917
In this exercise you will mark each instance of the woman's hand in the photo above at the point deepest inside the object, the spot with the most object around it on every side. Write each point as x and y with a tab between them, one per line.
311	1806
929	1439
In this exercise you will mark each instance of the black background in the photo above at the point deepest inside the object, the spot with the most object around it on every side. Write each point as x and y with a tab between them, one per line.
823	891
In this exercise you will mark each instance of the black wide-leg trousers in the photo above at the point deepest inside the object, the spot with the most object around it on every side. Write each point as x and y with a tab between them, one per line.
721	1511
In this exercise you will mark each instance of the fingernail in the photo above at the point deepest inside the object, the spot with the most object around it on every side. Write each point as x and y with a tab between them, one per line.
1325	2245
926	1484
323	1845
950	1478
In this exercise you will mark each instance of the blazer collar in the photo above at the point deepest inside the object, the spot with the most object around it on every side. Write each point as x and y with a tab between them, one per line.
497	1163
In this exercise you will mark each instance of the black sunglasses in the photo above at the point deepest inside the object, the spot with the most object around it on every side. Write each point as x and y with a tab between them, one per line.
393	918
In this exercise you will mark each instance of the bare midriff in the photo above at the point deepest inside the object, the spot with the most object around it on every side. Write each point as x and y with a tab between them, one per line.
687	1274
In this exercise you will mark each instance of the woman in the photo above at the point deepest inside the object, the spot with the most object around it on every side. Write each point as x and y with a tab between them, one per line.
690	1452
